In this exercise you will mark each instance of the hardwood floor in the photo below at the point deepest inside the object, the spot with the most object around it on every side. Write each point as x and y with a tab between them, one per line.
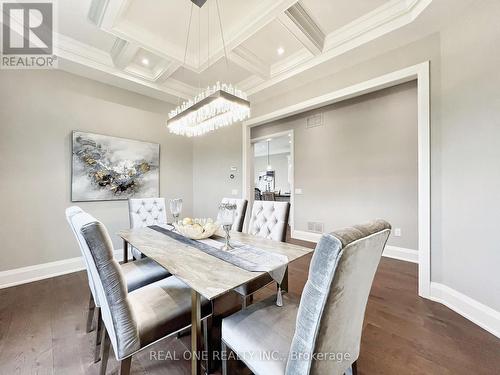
42	331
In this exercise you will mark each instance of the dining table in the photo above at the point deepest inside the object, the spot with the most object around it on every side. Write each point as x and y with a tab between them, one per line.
205	274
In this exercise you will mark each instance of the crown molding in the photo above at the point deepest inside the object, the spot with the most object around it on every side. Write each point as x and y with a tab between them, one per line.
249	61
95	59
108	15
383	20
96	11
318	47
302	26
123	52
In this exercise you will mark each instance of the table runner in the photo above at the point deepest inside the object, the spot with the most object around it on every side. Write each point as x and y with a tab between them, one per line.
243	256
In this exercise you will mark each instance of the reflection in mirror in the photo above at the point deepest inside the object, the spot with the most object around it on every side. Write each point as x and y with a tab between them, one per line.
272	168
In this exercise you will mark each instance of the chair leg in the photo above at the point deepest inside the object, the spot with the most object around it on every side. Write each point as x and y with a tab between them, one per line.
246	301
207	344
284	283
125	366
98	336
90	315
223	355
354	368
104	351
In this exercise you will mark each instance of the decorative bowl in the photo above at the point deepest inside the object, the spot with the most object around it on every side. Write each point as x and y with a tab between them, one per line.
197	229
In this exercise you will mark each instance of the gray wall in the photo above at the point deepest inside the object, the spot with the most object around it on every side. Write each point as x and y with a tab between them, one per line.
38	111
213	156
360	165
465	128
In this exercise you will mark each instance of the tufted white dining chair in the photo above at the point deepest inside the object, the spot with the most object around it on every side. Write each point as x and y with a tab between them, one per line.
268	220
144	212
241	211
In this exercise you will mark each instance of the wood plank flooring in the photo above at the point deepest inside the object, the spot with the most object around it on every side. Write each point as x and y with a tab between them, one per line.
42	330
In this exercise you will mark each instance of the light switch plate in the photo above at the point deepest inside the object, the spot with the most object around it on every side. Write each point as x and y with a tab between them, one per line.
234	192
397	232
298	191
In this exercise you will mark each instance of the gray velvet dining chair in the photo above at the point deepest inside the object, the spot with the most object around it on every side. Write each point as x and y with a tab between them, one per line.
268	220
135	320
136	274
241	211
321	333
144	212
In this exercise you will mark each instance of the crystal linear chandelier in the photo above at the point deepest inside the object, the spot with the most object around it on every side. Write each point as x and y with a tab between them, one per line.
215	107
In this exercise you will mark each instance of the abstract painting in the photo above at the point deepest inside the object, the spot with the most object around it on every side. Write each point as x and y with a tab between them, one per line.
111	168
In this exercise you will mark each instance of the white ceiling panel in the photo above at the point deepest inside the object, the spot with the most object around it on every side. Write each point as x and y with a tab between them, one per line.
146	59
220	71
143	41
72	21
266	42
165	24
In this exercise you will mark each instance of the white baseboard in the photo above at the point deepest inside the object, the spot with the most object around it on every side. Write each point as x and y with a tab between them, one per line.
482	315
42	271
400	253
476	312
306	236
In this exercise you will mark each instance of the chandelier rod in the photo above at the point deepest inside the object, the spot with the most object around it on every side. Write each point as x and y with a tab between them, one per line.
208	35
222	34
186	48
199	48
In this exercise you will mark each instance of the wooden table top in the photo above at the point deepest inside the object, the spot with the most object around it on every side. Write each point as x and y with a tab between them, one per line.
208	275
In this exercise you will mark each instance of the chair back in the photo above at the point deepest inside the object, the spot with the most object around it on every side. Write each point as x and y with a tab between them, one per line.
257	194
269	220
144	212
333	302
241	211
111	287
268	196
77	218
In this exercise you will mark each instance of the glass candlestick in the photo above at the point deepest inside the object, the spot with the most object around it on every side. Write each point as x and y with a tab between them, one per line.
176	208
227	212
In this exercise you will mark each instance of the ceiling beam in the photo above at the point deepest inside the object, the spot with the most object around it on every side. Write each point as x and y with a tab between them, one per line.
166	70
302	26
123	52
249	61
96	11
267	13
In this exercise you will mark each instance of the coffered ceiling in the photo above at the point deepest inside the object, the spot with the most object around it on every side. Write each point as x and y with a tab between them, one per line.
140	44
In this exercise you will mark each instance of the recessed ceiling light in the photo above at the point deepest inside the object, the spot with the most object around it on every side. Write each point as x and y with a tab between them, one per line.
281	51
145	61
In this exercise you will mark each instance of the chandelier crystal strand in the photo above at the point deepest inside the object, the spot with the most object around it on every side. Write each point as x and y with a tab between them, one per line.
215	107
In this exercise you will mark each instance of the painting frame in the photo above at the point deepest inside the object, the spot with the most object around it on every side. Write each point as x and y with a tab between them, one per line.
72	167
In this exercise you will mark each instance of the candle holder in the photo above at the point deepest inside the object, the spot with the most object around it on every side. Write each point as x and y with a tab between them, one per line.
227	212
175	209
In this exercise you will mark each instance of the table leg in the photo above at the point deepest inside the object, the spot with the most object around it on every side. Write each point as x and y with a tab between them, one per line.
125	251
195	332
284	283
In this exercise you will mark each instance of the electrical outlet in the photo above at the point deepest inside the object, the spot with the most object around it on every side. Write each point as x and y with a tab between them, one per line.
397	232
314	226
298	191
